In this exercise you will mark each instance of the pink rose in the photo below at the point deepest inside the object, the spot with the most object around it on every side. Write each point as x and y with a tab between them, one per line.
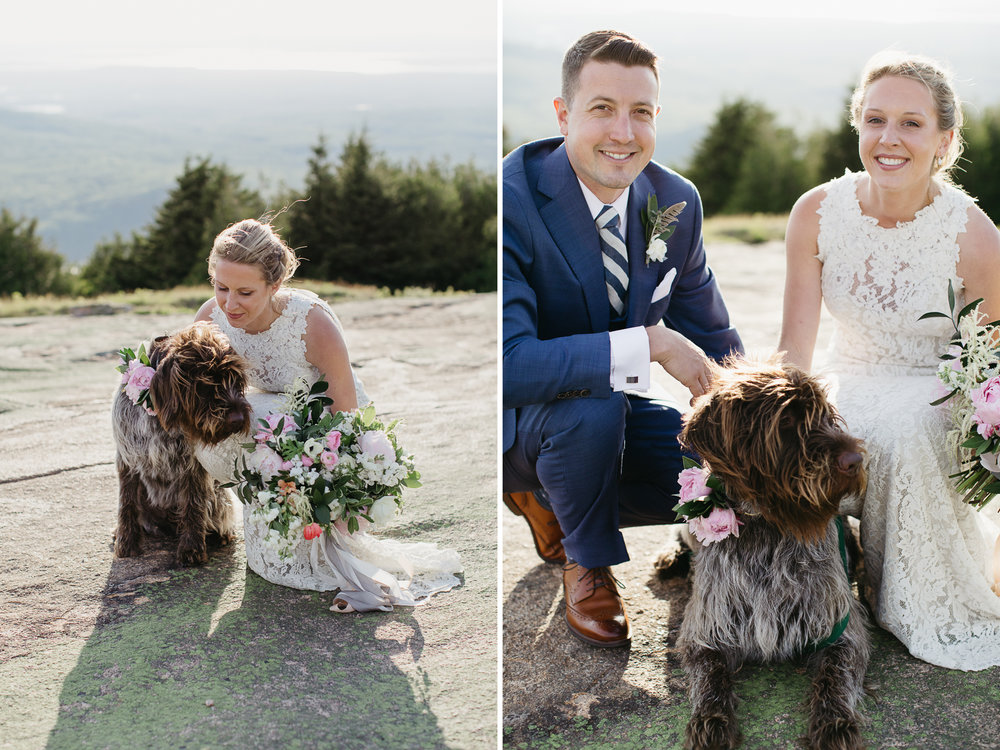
329	459
721	522
376	443
333	440
266	433
312	531
986	401
306	461
139	379
693	484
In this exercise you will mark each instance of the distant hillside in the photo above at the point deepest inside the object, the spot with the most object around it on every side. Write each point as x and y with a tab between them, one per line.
90	153
802	70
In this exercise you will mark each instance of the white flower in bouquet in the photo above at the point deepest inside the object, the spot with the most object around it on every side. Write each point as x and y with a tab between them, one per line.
383	510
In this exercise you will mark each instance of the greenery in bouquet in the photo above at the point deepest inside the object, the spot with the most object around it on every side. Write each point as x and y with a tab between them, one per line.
310	469
970	373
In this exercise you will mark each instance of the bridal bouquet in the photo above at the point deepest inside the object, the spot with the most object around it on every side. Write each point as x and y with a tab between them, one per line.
309	469
971	374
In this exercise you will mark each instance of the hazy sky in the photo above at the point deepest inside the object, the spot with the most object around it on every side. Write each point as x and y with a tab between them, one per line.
377	36
536	20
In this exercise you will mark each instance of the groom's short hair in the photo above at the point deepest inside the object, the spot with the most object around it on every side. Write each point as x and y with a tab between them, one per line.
607	47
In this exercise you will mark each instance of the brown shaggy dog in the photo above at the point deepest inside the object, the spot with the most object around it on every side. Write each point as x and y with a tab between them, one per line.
197	391
780	589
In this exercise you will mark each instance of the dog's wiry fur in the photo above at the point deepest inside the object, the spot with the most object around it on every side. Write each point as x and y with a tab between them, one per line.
776	590
197	391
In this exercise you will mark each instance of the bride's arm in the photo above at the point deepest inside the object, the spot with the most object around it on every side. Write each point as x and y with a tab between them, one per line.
803	292
326	350
979	263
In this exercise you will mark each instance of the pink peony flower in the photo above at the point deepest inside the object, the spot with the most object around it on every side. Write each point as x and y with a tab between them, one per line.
376	443
693	484
267	462
312	531
986	401
333	440
329	459
721	522
139	378
266	433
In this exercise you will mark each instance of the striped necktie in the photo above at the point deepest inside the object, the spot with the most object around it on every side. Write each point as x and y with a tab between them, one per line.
615	258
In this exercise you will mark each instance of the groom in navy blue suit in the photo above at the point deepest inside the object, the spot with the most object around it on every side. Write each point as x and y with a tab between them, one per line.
588	304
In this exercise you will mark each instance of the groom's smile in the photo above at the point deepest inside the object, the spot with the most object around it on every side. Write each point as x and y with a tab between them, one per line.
610	125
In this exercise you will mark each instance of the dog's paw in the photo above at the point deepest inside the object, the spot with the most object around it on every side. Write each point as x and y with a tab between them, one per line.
223	538
673	562
191	551
835	734
126	545
713	733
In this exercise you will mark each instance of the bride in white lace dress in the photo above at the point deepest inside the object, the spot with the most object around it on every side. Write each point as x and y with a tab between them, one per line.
285	334
880	247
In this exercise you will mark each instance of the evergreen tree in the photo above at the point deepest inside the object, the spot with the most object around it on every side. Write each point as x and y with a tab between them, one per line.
26	265
838	150
360	251
312	222
772	175
980	165
173	250
718	157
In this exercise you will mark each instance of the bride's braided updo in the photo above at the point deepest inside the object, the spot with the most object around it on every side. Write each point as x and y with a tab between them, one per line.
255	243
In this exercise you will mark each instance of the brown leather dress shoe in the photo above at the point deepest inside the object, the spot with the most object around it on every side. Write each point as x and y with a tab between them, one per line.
542	522
594	610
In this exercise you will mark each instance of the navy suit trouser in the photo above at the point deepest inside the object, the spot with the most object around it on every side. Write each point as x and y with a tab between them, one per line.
602	464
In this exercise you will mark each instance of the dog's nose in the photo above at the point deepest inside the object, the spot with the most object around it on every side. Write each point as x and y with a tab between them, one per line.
849	462
236	420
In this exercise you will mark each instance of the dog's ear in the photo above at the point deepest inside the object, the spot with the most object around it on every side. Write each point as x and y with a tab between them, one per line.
165	402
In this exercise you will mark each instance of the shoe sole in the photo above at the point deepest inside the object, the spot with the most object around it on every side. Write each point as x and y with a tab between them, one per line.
594	641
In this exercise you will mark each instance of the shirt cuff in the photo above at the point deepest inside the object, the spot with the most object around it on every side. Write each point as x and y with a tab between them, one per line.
629	359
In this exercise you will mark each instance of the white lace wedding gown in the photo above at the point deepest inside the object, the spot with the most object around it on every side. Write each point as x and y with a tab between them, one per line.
369	572
928	555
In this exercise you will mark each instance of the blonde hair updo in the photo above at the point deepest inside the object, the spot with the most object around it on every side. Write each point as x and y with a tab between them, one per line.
257	244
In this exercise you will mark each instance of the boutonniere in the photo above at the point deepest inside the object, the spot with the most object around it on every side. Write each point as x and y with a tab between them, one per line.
657	222
704	505
137	372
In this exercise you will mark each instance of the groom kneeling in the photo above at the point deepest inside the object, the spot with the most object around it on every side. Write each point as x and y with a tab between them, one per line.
584	293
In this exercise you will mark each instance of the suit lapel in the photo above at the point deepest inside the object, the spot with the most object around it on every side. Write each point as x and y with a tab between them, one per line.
642	277
572	227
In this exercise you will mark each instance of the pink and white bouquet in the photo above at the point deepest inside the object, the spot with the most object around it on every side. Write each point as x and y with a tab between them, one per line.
704	505
970	374
309	470
137	372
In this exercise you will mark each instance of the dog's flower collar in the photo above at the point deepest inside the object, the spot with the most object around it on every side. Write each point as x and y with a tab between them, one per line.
704	505
137	372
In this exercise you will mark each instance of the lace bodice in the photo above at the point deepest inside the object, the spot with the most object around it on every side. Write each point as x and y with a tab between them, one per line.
878	281
277	356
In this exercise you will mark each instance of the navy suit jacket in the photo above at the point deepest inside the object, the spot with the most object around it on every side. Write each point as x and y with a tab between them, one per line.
556	315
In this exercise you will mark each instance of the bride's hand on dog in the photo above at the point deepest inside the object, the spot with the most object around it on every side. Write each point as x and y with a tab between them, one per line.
682	360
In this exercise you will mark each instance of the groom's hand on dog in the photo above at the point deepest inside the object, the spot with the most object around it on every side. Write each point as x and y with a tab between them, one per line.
682	360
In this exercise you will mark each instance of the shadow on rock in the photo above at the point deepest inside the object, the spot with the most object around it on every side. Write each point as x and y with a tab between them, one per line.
216	656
